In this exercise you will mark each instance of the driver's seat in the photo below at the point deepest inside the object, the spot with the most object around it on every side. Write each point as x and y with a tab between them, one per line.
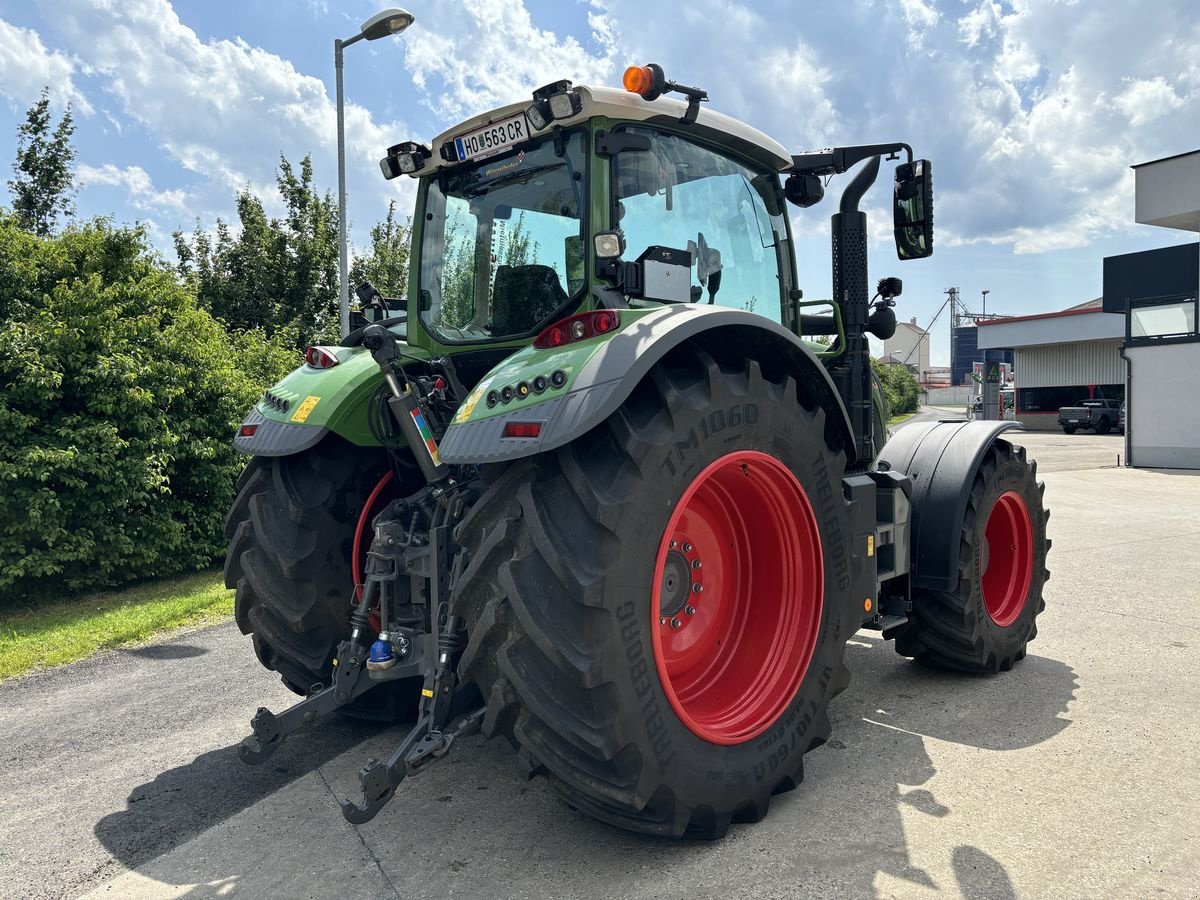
523	297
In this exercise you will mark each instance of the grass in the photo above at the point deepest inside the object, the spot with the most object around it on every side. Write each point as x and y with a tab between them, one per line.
63	631
899	417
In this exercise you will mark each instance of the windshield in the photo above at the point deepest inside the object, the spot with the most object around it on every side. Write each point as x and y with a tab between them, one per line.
502	251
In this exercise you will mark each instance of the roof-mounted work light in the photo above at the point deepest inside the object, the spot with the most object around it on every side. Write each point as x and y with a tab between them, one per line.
555	101
407	158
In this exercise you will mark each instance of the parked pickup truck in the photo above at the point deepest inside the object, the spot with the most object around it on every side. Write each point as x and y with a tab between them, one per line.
1100	415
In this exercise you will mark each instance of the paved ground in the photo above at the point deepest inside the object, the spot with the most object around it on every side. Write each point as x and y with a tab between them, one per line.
1072	776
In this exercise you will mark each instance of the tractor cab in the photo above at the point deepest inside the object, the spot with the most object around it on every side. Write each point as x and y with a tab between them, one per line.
593	197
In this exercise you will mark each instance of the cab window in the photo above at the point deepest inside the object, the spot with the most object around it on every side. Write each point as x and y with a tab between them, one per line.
729	216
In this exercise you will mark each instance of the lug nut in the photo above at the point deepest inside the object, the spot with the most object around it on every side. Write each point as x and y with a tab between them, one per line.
675	623
687	548
662	620
697	588
674	544
695	563
691	610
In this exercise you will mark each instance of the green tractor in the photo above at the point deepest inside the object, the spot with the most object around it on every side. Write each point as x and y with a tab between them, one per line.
590	488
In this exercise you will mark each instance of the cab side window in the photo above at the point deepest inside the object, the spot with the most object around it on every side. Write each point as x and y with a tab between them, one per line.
681	195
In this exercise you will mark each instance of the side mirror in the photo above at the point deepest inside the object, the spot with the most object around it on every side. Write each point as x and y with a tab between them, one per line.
913	210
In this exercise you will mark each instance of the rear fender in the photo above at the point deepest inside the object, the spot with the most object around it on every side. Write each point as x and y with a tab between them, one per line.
604	373
941	458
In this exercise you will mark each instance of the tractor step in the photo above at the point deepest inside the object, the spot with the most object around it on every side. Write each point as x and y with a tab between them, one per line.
892	625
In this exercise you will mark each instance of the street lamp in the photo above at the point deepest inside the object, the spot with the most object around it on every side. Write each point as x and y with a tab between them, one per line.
390	21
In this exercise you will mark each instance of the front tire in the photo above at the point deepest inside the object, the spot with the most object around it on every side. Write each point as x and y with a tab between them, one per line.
578	574
1103	427
1068	429
987	622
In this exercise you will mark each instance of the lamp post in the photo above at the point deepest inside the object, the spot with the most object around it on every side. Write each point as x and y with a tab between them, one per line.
390	21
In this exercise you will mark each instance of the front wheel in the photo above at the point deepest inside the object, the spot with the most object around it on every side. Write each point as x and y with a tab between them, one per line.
657	612
1068	429
1103	427
986	623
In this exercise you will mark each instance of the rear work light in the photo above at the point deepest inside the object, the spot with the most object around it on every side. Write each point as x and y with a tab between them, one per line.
320	357
522	429
577	328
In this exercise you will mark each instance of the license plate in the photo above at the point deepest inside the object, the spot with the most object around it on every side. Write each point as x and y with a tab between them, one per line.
1073	421
492	139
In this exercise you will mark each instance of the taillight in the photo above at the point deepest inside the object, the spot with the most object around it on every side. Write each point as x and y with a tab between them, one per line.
247	430
522	429
577	328
320	357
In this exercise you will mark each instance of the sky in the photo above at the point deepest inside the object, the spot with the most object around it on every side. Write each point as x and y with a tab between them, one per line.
1032	111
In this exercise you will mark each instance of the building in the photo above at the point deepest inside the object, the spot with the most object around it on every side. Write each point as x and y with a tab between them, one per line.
909	346
1155	295
965	350
1059	358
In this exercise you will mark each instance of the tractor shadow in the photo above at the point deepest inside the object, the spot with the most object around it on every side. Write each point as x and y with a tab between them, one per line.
472	826
183	802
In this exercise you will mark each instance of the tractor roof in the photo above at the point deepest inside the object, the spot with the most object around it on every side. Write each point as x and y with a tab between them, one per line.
620	104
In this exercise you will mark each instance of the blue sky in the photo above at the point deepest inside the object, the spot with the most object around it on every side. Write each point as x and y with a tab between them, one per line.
1031	110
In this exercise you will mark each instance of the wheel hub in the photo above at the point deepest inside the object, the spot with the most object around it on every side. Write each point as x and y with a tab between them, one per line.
737	597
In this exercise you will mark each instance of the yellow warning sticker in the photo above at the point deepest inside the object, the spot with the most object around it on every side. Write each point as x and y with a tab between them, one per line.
302	412
870	545
464	411
426	692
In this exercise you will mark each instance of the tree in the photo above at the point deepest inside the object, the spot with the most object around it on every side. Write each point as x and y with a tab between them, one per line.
386	264
900	387
43	186
279	275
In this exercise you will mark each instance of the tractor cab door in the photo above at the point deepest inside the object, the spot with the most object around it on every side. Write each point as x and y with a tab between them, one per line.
725	213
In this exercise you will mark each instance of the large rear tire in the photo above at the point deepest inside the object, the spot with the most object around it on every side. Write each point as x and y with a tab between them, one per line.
291	534
985	625
582	569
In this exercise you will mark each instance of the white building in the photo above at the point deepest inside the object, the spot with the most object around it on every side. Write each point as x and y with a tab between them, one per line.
909	346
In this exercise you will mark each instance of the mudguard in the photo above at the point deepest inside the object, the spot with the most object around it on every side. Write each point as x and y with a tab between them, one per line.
941	459
603	372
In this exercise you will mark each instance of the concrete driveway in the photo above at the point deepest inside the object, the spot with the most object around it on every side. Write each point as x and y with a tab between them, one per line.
1072	776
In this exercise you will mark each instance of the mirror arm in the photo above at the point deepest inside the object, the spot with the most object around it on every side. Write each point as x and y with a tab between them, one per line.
837	160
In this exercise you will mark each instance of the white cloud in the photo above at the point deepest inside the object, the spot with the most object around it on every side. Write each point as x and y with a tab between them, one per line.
26	66
1145	100
480	54
223	109
137	184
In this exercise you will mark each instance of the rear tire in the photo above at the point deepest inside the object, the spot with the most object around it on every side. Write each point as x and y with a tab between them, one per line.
1068	429
986	623
291	535
1103	426
566	643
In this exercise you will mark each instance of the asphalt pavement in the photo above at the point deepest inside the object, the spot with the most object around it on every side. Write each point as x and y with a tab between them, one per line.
1071	776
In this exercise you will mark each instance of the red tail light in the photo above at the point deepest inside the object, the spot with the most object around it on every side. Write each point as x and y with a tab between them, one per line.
577	328
320	357
522	429
247	430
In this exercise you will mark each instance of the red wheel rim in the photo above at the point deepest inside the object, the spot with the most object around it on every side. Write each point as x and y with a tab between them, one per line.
1007	560
379	497
736	604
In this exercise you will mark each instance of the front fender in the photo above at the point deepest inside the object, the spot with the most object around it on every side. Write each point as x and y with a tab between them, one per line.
941	458
603	372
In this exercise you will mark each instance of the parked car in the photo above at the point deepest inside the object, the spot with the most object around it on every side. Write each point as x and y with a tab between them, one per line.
1102	416
1121	419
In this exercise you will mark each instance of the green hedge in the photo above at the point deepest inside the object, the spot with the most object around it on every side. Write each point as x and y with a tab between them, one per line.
900	387
118	400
